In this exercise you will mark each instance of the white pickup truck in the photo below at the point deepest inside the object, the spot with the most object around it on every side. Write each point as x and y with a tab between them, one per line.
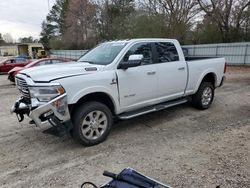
116	79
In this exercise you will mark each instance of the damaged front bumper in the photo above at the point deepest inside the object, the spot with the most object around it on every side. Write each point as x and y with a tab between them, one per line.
55	111
20	108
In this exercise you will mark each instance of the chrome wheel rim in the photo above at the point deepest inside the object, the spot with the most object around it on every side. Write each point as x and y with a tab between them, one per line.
206	96
94	125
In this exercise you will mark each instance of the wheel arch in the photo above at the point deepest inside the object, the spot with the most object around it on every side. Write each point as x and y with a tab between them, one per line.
207	77
211	78
101	97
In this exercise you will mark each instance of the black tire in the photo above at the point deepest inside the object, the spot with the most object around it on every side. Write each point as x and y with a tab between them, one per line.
11	78
82	113
197	98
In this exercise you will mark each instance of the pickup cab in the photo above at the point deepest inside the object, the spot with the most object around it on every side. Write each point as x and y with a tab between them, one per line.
116	79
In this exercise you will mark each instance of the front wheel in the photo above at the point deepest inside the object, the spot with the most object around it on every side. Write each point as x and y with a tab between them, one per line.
11	78
204	96
92	123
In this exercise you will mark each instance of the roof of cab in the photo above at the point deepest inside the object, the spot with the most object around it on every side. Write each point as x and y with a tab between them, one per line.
142	39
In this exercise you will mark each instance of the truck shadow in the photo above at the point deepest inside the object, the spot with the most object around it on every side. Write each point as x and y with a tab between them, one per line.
151	120
120	128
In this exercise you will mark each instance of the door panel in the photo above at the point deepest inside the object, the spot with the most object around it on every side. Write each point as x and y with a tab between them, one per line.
172	72
172	79
137	85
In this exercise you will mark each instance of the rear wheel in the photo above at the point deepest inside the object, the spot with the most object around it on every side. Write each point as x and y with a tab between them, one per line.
92	123
204	96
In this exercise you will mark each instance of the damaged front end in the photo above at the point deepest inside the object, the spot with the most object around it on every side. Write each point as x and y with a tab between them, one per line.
42	102
20	108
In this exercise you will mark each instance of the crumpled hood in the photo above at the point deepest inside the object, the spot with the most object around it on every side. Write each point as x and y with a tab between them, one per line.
47	73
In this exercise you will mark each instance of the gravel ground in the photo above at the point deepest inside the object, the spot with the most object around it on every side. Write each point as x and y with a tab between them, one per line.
180	146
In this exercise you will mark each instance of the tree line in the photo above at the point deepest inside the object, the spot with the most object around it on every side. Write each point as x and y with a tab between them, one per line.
7	38
80	24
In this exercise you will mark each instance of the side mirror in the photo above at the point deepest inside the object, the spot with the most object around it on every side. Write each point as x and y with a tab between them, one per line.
133	61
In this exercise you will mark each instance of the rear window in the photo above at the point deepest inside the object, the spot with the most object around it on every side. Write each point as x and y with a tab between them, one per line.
167	52
20	60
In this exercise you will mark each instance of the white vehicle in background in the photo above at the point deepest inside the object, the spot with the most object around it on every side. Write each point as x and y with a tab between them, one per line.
116	79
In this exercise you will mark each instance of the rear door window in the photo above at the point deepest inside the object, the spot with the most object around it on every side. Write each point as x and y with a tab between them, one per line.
166	52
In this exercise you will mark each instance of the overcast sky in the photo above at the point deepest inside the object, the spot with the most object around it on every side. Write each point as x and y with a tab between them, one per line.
22	18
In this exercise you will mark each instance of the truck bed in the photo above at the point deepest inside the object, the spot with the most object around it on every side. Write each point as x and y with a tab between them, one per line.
198	67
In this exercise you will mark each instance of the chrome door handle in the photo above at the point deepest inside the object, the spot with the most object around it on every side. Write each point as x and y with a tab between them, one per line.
151	73
181	68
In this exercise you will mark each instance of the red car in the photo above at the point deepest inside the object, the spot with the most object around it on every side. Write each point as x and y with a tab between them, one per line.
9	64
46	61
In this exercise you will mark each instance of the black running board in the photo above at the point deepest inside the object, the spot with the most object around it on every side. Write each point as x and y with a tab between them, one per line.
154	108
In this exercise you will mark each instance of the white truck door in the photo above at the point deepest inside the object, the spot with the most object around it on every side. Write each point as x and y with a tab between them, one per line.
138	85
172	71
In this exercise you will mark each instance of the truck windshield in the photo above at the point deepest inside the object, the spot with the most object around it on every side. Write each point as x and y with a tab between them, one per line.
103	54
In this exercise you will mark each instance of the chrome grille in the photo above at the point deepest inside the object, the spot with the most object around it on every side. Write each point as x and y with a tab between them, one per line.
23	87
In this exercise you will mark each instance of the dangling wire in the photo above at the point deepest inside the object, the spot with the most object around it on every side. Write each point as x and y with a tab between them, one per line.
88	183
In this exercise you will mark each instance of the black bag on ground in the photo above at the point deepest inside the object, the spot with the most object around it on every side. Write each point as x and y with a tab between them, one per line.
129	178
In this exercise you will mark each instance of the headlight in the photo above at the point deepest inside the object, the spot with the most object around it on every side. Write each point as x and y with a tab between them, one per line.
45	94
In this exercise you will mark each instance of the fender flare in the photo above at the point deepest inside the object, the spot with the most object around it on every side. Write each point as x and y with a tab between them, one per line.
203	75
96	89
